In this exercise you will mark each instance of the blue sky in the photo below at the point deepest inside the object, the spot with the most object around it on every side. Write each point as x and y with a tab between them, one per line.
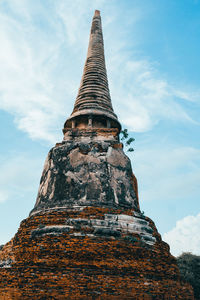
152	55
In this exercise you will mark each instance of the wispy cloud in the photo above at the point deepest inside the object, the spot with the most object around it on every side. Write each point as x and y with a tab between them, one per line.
184	237
28	87
42	53
147	96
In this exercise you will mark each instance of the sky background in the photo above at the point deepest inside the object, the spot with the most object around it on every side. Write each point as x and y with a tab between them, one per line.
152	56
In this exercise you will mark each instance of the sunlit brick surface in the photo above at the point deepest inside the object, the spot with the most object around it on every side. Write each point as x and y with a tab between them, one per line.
79	264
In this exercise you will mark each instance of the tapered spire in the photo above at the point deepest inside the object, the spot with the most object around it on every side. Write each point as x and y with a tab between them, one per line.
93	97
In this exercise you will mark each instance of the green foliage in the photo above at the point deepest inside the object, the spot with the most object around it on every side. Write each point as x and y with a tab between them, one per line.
189	266
124	134
127	140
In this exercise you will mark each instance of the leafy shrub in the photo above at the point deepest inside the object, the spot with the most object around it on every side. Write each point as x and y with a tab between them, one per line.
189	266
127	140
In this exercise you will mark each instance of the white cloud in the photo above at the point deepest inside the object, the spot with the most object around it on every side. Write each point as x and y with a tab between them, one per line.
185	236
43	48
147	97
27	88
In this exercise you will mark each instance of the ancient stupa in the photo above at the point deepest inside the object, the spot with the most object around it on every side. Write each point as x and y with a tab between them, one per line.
86	237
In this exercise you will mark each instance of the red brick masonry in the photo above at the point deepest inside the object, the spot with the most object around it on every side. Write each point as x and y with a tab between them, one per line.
79	264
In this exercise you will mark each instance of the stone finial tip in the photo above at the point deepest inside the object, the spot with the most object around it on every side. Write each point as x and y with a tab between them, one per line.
97	13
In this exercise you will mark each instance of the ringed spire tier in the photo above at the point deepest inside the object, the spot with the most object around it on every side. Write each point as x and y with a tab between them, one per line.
93	97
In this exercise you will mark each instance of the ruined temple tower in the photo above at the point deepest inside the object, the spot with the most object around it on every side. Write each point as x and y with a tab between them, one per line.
86	237
95	171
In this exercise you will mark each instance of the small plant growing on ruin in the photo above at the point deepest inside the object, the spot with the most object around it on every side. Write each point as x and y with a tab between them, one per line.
126	140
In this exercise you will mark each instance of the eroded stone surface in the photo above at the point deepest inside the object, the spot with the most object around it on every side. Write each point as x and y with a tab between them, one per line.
95	173
112	225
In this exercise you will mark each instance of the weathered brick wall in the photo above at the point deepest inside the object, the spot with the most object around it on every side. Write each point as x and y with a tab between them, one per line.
79	264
